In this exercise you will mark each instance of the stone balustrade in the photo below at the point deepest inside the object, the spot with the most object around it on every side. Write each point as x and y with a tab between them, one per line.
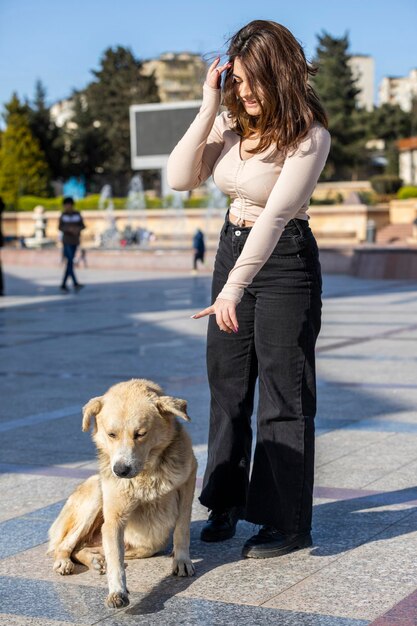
338	223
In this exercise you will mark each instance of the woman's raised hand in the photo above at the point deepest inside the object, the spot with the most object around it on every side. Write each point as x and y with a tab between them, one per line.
215	71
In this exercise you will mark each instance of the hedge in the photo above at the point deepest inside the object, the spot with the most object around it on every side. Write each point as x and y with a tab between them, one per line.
91	203
28	203
409	191
385	184
196	203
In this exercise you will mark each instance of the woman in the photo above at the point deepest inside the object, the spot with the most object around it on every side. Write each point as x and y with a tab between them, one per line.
267	152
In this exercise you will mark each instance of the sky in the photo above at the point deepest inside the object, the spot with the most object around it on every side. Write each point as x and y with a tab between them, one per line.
61	42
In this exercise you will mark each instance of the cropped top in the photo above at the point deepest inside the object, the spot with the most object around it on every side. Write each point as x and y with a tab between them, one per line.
268	188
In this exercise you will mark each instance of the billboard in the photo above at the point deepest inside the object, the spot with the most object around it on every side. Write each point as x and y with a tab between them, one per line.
155	129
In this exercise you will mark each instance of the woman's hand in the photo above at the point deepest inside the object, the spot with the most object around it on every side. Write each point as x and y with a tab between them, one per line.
225	312
215	71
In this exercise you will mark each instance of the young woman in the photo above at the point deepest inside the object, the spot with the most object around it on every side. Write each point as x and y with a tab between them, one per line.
266	151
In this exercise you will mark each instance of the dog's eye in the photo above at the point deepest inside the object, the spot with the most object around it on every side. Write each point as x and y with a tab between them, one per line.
112	435
138	435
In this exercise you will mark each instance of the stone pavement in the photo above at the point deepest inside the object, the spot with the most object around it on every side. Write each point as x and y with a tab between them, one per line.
57	351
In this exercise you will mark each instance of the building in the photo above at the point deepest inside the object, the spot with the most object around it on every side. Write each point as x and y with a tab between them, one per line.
62	111
399	90
363	70
179	76
408	160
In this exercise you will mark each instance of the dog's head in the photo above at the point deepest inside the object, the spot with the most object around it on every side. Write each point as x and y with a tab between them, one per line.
133	422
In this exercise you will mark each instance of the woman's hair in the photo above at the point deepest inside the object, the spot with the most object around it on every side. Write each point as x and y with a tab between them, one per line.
277	72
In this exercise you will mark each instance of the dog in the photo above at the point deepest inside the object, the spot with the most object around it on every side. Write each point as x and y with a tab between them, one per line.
143	491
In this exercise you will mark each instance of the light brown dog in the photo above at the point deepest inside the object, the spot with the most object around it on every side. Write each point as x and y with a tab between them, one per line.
144	489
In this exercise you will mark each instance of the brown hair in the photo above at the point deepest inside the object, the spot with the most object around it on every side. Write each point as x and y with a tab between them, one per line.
277	72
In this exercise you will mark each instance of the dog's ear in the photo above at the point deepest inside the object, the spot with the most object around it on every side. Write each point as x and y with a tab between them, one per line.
172	406
91	409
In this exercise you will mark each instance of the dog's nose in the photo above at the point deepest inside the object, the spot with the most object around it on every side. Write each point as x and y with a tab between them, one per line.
121	469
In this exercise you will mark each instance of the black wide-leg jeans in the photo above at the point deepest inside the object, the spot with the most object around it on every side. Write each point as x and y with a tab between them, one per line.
279	320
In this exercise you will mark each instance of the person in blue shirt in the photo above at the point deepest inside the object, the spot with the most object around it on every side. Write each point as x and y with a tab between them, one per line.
199	247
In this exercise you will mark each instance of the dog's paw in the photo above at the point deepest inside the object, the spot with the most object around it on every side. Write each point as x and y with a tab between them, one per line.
63	567
98	564
183	567
117	600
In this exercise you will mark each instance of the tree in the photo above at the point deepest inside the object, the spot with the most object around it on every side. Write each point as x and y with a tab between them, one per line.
119	83
337	89
23	166
46	131
390	123
85	145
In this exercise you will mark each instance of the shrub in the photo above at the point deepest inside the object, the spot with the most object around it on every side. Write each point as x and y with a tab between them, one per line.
385	184
409	191
154	203
28	203
196	203
323	201
368	197
90	203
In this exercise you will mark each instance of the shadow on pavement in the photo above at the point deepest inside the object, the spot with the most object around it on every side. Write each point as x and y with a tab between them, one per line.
67	350
345	524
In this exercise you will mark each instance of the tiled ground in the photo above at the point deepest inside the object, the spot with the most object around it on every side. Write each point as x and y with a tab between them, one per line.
58	351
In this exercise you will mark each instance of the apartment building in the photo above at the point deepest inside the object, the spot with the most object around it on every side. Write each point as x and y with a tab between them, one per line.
363	69
179	76
399	90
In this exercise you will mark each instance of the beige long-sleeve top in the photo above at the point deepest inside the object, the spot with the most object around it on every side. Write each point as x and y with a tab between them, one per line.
268	188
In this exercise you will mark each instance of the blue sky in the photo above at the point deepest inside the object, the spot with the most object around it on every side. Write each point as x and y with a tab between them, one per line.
60	42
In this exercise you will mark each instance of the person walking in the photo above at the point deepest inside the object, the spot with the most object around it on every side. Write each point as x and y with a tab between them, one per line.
266	151
70	224
199	248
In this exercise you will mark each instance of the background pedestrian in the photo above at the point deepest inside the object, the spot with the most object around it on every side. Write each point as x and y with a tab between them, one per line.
70	224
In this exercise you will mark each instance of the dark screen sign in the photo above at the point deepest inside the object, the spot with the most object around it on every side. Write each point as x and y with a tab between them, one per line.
159	130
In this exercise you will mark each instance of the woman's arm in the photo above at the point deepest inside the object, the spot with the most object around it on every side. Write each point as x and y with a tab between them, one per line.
292	190
191	162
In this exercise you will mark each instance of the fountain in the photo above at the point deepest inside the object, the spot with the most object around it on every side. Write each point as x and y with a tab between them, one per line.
136	231
39	240
136	203
176	210
110	238
216	205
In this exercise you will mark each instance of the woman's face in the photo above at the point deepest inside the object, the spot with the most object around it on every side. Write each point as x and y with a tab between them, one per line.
243	90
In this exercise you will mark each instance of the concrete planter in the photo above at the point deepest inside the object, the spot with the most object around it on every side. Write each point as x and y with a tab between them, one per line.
403	211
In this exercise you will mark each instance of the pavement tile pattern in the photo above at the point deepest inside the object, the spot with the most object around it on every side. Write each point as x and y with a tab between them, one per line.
57	351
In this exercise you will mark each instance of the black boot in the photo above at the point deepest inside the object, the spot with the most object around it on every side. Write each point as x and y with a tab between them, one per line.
270	542
220	525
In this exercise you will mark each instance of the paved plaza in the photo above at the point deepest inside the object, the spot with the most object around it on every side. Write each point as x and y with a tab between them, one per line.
58	351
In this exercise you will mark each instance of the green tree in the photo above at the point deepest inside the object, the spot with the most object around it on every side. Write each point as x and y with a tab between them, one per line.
118	83
46	131
337	89
85	145
23	166
390	123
